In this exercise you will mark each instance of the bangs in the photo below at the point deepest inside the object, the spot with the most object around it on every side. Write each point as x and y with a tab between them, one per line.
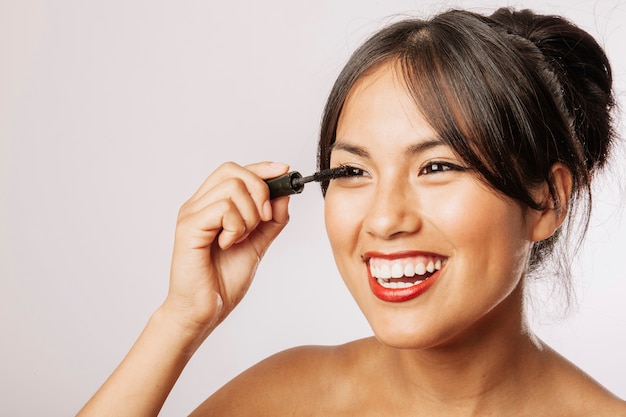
465	84
479	88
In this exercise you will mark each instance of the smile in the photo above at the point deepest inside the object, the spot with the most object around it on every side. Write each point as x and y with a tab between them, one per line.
401	278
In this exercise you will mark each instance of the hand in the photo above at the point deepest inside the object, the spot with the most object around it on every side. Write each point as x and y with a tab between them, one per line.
222	232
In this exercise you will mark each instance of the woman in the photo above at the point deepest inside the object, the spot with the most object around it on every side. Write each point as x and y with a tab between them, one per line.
474	138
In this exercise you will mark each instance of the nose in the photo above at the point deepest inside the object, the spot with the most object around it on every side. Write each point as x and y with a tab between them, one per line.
394	210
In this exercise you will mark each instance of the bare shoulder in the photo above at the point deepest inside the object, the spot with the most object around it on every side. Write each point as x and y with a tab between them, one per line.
584	395
299	381
594	399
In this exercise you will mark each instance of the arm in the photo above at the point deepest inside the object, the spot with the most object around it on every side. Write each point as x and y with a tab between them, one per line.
144	379
221	234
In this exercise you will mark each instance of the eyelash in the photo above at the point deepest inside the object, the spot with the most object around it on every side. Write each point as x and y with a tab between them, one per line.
432	167
353	171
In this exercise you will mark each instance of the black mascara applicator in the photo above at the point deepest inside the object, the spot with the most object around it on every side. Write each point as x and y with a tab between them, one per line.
293	182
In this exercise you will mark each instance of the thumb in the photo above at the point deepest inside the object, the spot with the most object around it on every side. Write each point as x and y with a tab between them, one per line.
266	232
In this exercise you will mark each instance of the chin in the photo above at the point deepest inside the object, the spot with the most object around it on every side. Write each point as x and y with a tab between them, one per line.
416	334
400	341
403	336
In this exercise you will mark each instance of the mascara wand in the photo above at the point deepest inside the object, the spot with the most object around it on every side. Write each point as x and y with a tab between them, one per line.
293	182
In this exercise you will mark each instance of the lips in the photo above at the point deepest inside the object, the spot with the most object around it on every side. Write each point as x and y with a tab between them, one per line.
402	276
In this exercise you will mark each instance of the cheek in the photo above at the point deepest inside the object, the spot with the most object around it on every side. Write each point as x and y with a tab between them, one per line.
336	218
485	230
493	232
472	214
343	219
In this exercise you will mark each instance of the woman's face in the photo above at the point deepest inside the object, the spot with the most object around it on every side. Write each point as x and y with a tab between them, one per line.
428	251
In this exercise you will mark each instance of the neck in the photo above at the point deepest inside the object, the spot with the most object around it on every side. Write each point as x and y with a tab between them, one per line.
481	369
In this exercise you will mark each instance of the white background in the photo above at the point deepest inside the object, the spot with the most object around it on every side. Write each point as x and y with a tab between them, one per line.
113	112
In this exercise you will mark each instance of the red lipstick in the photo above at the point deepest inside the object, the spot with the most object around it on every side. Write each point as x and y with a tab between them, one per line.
398	295
401	294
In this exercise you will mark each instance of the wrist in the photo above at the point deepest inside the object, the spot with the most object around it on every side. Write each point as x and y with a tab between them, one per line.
190	329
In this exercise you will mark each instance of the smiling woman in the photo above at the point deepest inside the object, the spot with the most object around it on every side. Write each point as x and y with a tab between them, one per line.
410	210
469	141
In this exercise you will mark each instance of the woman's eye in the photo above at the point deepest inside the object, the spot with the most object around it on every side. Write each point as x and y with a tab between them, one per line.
436	167
351	172
355	172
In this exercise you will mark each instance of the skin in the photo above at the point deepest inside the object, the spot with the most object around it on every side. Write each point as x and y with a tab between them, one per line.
222	232
461	348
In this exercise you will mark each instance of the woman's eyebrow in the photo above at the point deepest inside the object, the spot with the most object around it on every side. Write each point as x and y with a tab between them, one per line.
416	148
350	148
425	145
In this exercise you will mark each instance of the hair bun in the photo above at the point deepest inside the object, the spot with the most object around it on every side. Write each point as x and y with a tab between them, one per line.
583	72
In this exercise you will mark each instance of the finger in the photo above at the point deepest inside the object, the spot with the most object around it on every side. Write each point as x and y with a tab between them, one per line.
234	229
280	210
266	232
220	220
235	190
267	170
251	175
199	229
270	229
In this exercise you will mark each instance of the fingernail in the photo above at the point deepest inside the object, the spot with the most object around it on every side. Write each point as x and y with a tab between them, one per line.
279	166
267	211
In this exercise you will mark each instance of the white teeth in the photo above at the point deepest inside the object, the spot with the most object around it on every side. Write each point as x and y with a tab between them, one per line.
384	272
396	270
397	284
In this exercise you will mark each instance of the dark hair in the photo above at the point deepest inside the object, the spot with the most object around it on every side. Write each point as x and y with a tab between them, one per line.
512	94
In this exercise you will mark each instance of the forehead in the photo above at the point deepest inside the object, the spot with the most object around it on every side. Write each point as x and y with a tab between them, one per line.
380	109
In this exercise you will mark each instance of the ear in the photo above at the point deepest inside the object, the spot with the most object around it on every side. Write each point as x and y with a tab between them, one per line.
550	218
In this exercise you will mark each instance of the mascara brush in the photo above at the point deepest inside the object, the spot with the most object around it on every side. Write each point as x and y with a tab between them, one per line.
293	182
